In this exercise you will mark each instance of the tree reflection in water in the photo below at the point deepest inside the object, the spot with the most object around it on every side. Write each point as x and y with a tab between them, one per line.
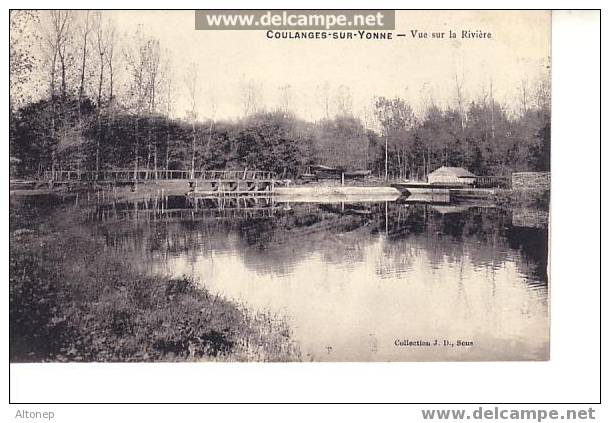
387	269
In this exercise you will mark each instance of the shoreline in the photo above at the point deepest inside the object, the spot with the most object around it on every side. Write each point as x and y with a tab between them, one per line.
73	301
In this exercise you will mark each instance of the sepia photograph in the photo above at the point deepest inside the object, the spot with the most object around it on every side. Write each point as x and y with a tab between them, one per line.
279	186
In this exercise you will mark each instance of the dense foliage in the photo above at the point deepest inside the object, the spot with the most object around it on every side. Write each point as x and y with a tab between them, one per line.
54	133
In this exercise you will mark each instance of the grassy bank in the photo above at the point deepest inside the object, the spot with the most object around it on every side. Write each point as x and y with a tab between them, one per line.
72	300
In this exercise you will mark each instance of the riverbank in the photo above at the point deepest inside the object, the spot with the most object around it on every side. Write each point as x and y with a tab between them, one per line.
73	300
525	198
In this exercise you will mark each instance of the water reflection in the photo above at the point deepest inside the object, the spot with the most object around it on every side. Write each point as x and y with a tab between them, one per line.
357	280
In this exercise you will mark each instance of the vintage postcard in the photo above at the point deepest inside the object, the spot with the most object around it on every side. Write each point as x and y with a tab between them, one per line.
268	185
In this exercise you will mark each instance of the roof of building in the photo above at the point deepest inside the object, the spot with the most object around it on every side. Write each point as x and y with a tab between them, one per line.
458	172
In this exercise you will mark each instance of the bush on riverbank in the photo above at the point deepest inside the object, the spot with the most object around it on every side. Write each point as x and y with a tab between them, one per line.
525	198
70	300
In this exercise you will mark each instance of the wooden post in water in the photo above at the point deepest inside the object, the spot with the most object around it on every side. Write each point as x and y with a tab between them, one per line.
386	217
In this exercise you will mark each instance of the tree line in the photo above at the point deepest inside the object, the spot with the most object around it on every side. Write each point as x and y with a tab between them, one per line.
86	120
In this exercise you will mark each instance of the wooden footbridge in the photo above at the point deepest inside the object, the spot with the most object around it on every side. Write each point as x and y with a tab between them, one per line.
198	182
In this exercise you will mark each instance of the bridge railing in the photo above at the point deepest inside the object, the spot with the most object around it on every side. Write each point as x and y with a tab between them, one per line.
151	174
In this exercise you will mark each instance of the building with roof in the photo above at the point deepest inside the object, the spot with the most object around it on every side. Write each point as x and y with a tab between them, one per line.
452	176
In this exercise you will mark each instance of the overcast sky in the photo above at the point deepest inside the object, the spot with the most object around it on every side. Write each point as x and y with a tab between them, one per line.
414	69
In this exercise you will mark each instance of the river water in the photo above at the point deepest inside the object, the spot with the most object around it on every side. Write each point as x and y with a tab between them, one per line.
360	280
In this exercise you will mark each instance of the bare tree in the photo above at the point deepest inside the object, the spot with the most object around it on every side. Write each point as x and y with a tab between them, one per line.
524	95
459	98
63	19
102	43
324	98
137	63
426	96
109	55
190	80
213	105
285	99
103	33
368	114
343	101
152	71
85	30
251	97
168	86
55	37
